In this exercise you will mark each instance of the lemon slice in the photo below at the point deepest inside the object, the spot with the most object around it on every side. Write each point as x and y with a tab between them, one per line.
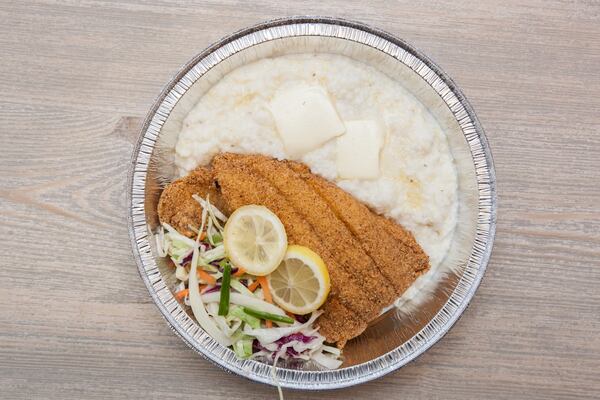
255	239
300	284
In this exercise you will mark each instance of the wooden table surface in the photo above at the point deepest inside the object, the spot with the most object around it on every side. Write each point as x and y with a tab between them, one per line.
76	321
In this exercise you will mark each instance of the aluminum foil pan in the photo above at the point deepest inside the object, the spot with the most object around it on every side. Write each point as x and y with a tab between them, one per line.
399	335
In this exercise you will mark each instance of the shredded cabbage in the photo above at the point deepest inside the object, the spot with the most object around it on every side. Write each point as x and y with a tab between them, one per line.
241	300
333	350
178	236
326	361
160	240
217	253
204	204
229	326
239	313
243	347
181	273
269	335
243	290
198	307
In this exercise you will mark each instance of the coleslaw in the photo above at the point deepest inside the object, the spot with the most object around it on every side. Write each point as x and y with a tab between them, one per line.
230	304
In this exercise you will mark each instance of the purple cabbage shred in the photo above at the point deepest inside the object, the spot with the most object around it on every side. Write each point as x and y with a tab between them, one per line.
299	336
302	318
212	289
221	269
256	346
187	259
291	352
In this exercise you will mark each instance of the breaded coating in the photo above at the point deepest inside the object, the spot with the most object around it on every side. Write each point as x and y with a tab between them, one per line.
176	206
394	250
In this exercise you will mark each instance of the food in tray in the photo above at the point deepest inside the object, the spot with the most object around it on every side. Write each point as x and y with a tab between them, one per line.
315	191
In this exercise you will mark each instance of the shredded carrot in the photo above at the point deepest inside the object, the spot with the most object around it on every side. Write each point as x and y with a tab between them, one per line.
181	294
289	314
203	236
265	287
267	293
253	286
205	276
241	271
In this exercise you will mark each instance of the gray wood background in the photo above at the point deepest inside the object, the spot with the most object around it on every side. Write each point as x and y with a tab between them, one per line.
76	77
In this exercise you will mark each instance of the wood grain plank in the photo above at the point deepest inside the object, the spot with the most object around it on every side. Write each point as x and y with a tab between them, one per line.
77	77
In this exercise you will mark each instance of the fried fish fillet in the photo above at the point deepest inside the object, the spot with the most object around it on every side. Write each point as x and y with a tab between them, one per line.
371	260
178	208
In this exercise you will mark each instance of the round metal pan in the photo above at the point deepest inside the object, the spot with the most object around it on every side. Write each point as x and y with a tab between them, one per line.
398	336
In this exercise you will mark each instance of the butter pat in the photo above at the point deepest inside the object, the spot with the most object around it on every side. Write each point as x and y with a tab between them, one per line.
305	118
358	150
